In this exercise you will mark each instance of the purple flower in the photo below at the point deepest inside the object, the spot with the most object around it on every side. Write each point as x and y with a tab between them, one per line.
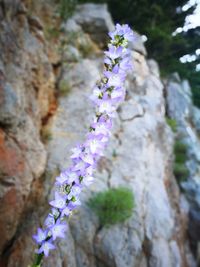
76	152
105	105
40	236
108	61
96	94
94	144
114	52
45	248
72	177
89	171
80	166
58	230
55	213
101	128
75	191
49	221
118	94
115	77
88	180
123	30
125	64
106	96
74	203
59	201
87	158
62	178
66	211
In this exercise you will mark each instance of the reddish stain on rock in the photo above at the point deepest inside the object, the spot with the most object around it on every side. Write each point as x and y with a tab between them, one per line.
11	161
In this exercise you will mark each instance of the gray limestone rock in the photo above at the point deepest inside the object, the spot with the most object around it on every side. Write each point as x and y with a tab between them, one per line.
180	108
93	19
139	155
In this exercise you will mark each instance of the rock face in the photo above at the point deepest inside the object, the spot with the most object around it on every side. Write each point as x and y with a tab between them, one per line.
26	90
93	19
180	108
139	156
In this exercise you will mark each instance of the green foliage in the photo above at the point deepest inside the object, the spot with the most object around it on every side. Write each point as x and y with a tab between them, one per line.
180	158
180	147
180	170
64	88
172	124
66	8
113	206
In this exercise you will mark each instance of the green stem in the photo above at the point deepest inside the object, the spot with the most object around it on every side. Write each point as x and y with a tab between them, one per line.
38	260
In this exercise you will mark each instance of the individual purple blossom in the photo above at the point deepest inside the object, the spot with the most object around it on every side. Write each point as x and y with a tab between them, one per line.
62	178
123	30
80	166
59	201
72	176
125	64
45	248
66	211
76	152
49	221
54	212
94	144
106	106
108	61
97	94
88	180
89	170
87	157
58	230
74	203
101	128
115	77
114	52
75	191
40	236
118	94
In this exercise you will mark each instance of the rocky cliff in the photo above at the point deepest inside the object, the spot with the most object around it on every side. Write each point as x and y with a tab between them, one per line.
180	108
47	71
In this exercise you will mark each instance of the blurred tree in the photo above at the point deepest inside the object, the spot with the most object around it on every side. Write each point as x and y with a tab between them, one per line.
158	19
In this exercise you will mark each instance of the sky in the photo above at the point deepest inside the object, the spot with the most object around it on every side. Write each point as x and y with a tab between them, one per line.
191	22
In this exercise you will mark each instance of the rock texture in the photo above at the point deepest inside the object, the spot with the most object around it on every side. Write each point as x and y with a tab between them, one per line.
26	91
140	154
93	19
180	108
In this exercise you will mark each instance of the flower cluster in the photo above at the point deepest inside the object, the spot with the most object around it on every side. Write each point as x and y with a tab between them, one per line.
107	94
